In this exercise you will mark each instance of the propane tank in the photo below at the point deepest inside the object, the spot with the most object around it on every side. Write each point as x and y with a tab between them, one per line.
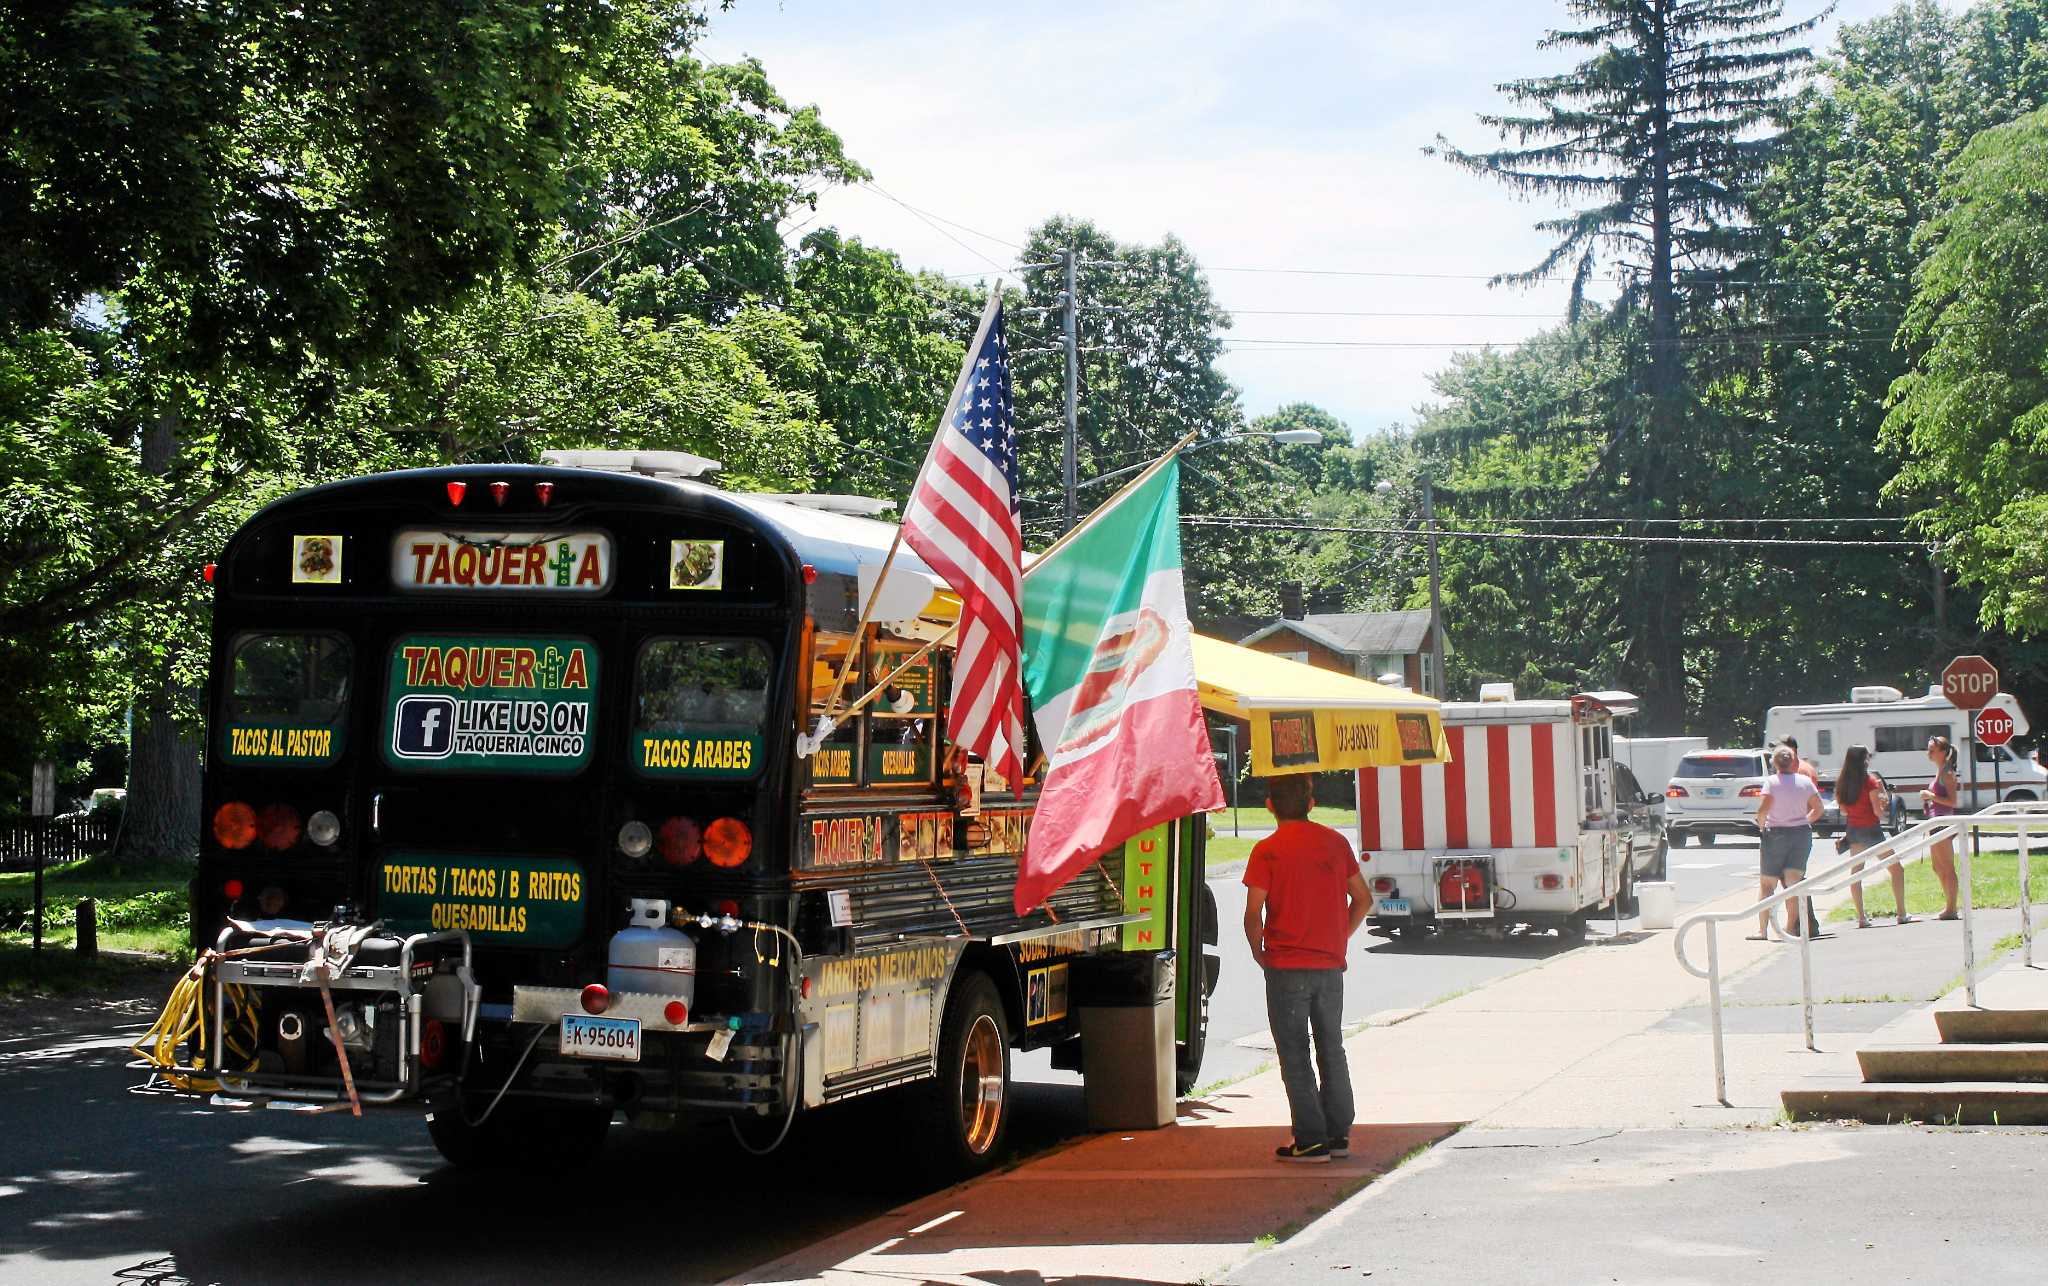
652	958
1461	887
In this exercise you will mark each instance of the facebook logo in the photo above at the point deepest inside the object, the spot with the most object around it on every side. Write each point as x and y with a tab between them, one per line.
424	728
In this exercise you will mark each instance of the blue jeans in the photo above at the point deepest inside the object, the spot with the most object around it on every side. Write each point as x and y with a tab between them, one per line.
1300	1002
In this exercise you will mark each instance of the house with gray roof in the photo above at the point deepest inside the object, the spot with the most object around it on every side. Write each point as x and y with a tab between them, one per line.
1366	645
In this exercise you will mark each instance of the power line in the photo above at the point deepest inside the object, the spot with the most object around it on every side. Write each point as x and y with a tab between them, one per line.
1248	523
925	219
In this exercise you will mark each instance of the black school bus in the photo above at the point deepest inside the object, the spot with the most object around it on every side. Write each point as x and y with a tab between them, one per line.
518	744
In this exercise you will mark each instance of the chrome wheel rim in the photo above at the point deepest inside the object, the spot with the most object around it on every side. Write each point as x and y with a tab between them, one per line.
981	1084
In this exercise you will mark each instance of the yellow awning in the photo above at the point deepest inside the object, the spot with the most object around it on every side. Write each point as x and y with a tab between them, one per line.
1306	719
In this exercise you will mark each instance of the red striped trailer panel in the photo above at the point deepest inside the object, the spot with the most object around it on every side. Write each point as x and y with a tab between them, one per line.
1507	786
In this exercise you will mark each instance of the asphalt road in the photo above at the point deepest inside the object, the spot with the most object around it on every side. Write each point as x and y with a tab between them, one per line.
100	1185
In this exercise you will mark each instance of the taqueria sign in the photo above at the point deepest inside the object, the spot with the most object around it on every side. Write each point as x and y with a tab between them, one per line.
574	562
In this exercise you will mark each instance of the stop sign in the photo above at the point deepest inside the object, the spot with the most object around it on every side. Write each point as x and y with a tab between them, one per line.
1969	682
1994	726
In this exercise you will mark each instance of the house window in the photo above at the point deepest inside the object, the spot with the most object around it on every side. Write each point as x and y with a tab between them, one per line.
1428	673
1294	656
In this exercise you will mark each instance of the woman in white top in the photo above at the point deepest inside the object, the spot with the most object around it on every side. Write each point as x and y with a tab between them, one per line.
1784	823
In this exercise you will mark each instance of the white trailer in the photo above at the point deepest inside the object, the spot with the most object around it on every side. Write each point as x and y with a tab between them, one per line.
1531	822
1653	760
1896	729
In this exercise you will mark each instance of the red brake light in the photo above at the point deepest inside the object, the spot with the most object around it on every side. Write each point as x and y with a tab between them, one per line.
676	1012
596	999
498	490
234	825
456	490
232	890
728	842
278	825
680	842
1675	792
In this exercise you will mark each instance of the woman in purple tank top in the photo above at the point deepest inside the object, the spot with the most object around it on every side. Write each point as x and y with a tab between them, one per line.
1939	800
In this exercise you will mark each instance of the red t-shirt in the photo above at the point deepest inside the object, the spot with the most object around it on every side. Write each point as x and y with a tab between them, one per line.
1304	868
1864	811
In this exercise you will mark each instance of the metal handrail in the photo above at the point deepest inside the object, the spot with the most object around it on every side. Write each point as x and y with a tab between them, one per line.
1895	850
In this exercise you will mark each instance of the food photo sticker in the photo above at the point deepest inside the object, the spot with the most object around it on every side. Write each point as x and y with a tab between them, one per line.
316	560
696	564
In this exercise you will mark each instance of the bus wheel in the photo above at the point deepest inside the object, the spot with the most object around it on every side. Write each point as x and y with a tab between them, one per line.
967	1106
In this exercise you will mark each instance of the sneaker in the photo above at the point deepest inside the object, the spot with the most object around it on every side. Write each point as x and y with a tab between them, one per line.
1313	1154
1339	1149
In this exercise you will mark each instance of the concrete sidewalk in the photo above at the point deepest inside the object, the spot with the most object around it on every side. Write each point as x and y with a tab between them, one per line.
1187	1203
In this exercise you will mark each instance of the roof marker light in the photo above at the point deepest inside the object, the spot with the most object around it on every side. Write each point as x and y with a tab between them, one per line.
544	492
456	490
498	490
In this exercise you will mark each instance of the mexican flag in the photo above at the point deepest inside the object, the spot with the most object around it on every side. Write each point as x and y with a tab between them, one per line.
1111	675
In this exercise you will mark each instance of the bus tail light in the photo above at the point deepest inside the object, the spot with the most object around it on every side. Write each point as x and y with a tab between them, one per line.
728	842
278	825
676	1012
456	490
681	842
272	901
232	890
499	490
323	828
234	825
635	839
596	998
544	492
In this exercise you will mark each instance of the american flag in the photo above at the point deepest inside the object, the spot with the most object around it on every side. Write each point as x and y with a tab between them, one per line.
962	520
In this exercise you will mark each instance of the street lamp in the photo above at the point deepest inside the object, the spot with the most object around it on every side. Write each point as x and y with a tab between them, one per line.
1290	437
1436	613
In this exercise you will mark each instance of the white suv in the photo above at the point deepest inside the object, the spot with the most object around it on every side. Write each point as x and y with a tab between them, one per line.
1713	792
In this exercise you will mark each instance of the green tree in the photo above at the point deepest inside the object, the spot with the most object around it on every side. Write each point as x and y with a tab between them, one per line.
1973	411
1663	130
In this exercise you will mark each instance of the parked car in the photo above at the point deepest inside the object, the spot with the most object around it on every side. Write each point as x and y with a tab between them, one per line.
1713	793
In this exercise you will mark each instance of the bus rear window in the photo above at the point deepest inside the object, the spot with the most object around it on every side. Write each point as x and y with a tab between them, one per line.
700	707
287	698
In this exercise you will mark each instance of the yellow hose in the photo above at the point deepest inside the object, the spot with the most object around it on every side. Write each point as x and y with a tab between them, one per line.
183	1022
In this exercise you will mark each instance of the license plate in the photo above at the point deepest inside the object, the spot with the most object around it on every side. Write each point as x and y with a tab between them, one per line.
617	1039
1394	906
1716	792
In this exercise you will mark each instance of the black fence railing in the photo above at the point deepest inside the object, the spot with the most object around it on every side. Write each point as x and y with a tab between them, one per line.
57	839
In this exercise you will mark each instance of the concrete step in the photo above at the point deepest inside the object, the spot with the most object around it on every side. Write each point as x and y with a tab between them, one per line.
2011	1061
1985	1026
1953	1102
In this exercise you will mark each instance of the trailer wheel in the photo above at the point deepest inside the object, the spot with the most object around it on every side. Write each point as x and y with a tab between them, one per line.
542	1137
967	1105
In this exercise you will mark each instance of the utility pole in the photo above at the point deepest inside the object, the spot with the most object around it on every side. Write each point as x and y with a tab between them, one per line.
1436	610
1069	327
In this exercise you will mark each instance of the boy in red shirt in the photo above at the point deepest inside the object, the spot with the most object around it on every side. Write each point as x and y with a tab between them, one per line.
1304	898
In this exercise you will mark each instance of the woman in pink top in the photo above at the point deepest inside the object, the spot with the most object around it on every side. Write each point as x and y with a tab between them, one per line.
1939	800
1784	821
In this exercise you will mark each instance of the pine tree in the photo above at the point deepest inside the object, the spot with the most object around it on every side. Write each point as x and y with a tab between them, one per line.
1662	132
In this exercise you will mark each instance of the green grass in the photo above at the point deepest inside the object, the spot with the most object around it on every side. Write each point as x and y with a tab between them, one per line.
1995	882
138	910
1225	848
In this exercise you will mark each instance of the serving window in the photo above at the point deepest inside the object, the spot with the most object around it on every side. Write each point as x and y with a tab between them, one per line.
903	720
287	700
700	707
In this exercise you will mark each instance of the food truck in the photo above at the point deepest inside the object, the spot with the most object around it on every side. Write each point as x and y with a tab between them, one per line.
504	821
1530	823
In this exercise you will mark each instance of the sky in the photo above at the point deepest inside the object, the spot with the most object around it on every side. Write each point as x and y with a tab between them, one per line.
1282	141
